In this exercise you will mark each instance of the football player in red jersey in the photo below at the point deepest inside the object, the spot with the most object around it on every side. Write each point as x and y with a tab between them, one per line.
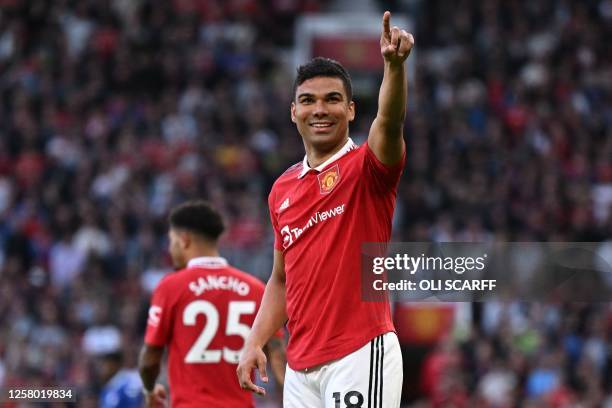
203	314
342	351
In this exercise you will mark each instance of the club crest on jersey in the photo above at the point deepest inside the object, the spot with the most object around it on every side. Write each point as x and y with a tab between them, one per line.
328	179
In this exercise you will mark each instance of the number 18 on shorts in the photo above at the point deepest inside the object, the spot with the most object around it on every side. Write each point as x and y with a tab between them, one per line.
370	377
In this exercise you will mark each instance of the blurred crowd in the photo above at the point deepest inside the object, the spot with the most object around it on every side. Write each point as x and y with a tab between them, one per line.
113	112
523	355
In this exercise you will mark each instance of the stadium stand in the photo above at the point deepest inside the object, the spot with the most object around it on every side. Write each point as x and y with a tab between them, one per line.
112	112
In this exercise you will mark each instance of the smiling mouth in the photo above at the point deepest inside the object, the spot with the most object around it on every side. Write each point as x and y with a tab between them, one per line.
321	125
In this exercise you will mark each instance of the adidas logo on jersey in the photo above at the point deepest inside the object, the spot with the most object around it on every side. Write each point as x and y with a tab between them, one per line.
284	205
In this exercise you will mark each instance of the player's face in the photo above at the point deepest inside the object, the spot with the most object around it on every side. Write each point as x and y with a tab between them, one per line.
106	368
321	111
175	248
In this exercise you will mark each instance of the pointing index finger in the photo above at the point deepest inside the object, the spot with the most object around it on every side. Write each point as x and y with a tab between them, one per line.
386	23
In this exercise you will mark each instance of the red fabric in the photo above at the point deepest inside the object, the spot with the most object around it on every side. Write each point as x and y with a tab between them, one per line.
516	119
245	232
157	154
354	52
437	380
202	384
432	371
561	397
320	222
29	168
496	94
105	41
6	164
423	324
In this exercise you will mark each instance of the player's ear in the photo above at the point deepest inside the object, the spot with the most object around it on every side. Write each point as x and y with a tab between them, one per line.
185	240
293	119
351	111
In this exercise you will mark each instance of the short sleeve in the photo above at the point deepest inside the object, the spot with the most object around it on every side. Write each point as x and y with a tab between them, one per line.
278	240
382	177
159	322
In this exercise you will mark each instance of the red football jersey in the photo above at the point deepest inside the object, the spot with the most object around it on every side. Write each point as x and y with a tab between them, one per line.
203	314
321	217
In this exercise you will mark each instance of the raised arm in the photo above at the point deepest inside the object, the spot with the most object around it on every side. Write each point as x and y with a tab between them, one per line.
271	316
386	134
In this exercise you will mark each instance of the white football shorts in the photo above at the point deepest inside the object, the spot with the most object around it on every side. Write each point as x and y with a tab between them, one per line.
370	377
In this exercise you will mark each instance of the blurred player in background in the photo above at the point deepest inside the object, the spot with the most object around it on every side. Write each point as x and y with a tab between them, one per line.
342	351
203	313
121	386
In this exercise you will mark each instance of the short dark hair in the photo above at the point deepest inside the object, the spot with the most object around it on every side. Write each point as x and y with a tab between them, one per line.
199	217
323	67
115	356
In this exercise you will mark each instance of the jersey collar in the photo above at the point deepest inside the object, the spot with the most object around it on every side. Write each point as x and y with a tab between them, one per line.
207	262
348	146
